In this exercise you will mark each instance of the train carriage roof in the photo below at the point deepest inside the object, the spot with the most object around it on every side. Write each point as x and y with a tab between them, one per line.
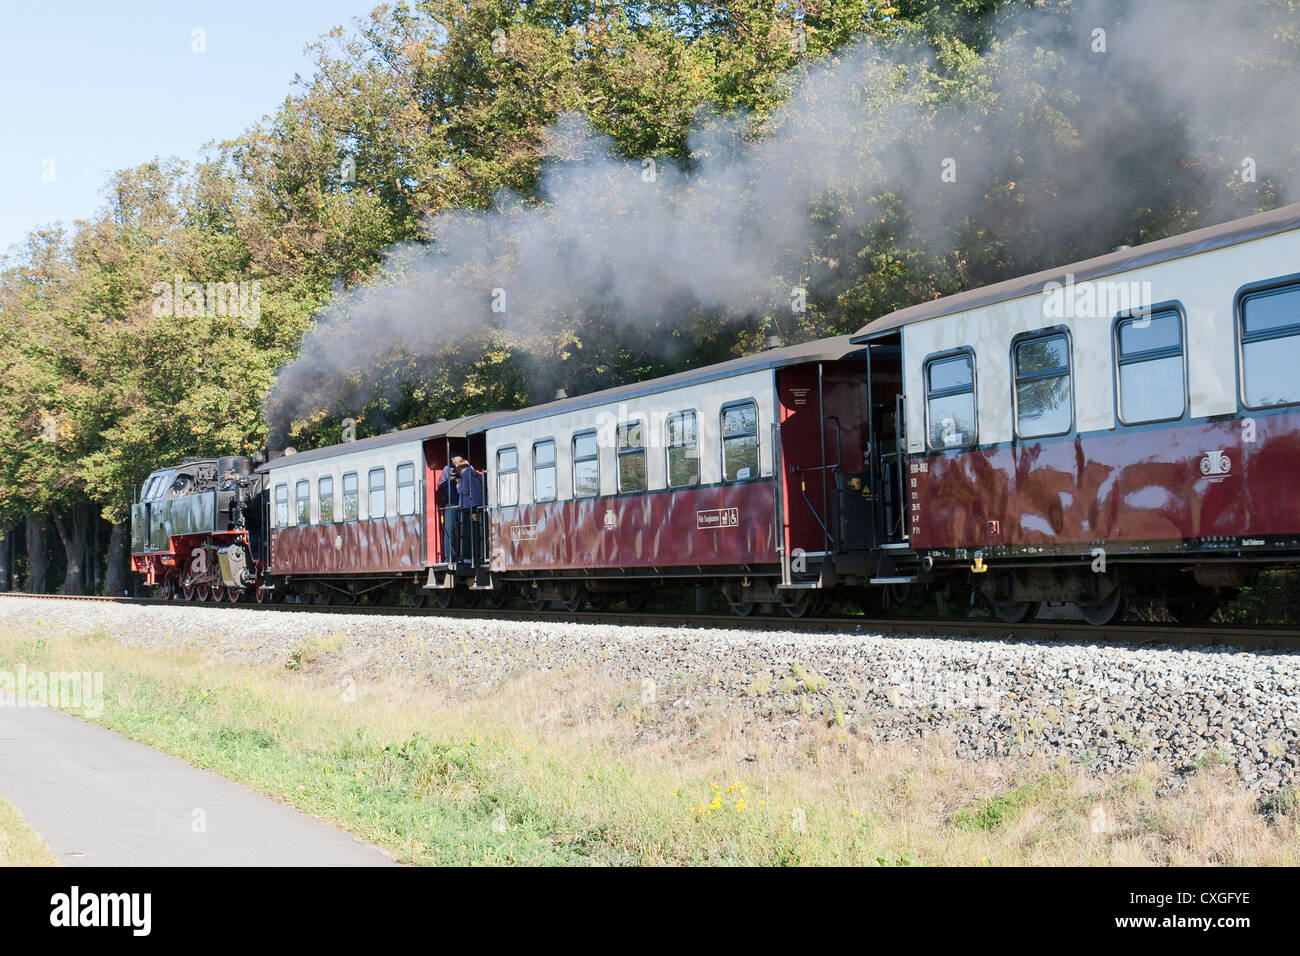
819	350
1282	219
455	428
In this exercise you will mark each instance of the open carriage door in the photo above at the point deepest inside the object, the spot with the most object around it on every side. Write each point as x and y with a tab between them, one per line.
472	538
436	456
888	443
822	456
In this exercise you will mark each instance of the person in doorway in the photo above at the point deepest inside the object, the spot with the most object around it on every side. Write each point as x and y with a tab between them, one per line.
469	485
449	487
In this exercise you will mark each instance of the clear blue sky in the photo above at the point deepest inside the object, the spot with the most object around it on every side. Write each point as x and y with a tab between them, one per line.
102	85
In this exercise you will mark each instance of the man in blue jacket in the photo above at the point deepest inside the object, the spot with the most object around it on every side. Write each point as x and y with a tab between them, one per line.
462	489
471	485
449	486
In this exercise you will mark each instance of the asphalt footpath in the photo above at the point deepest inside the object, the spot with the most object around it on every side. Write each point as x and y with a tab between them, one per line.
98	799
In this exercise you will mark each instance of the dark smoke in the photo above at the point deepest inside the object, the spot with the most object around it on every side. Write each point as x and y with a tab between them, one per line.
1060	152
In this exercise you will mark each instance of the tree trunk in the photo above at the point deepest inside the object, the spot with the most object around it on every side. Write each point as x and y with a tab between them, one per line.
6	559
72	531
115	575
95	553
36	553
90	572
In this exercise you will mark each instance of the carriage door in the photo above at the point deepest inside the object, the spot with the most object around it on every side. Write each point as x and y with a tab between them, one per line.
808	527
888	445
436	455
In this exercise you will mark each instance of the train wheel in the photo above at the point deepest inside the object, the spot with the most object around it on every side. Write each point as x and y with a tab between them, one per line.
217	595
743	608
574	598
203	593
797	603
235	595
167	590
536	601
636	600
443	597
417	598
261	594
1109	611
187	592
892	595
470	598
495	598
1015	612
1194	609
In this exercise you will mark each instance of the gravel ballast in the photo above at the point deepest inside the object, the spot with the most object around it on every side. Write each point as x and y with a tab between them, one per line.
1110	708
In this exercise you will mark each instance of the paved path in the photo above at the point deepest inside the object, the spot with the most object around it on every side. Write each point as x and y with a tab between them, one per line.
98	799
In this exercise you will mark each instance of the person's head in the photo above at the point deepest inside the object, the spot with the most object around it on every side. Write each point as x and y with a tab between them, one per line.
459	463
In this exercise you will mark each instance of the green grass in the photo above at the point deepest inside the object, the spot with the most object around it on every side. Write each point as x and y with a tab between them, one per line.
19	845
998	811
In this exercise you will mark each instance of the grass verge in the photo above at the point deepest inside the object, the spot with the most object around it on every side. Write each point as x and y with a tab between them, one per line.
19	845
575	769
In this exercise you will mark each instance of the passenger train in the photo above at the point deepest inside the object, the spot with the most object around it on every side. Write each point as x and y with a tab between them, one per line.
1123	428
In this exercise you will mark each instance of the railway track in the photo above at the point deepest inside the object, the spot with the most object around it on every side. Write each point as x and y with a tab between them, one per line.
1246	637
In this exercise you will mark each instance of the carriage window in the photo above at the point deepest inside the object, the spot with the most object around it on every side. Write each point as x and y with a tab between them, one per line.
1044	398
1270	347
507	477
630	442
282	506
544	470
325	493
302	502
950	401
350	497
406	489
586	466
376	503
1149	355
683	450
740	442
